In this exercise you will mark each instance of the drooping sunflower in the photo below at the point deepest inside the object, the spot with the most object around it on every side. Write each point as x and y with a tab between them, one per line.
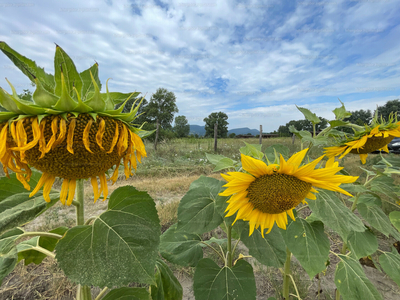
69	130
374	137
268	193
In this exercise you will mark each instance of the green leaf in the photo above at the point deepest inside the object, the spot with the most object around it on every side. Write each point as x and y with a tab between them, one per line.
341	112
11	186
128	293
253	150
277	148
120	246
310	116
351	281
27	250
87	83
390	263
29	67
375	216
354	187
197	212
385	185
219	242
19	209
309	244
181	248
394	217
212	282
117	97
370	199
221	162
335	214
362	243
335	123
64	64
8	251
270	250
168	287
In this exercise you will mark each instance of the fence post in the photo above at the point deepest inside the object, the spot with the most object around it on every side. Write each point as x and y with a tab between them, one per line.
215	136
260	134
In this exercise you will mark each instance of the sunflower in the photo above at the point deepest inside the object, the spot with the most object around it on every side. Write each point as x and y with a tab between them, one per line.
268	193
70	130
373	138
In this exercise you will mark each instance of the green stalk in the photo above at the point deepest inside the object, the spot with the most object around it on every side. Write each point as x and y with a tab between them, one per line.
229	251
286	275
83	292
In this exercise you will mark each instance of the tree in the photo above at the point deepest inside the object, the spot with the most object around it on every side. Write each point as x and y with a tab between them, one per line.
390	106
161	110
232	135
182	127
360	117
222	129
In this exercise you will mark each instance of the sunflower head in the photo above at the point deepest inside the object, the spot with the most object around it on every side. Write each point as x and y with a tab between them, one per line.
69	129
266	193
372	137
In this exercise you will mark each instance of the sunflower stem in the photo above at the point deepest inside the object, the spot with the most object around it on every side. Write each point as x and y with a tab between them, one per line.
229	251
83	292
80	209
353	207
286	275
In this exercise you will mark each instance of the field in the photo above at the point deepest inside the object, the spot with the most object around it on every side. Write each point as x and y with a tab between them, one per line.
166	175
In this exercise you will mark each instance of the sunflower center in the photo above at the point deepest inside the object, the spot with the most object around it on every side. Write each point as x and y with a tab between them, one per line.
372	144
81	163
276	193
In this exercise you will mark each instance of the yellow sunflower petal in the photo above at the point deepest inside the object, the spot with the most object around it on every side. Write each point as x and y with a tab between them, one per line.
47	187
95	187
100	133
85	137
104	187
363	158
64	191
254	166
70	137
71	191
115	138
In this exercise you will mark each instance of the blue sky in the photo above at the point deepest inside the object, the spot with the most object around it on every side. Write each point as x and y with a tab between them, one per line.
253	60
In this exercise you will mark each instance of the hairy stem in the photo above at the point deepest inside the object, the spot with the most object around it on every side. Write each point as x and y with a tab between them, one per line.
229	251
83	292
286	275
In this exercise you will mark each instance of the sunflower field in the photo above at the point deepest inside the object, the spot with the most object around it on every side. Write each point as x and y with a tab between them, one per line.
273	206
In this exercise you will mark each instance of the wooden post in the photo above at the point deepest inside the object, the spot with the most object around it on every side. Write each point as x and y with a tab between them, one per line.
260	134
156	139
215	136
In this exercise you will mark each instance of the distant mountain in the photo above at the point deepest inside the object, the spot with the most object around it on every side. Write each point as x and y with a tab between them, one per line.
244	130
197	129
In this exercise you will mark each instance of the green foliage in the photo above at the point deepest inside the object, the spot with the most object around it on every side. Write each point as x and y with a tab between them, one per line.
118	248
8	251
390	263
305	125
351	281
384	111
362	243
167	286
182	127
126	293
162	107
228	283
222	128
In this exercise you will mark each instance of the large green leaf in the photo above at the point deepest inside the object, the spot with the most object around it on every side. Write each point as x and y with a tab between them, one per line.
341	112
28	250
354	187
197	212
117	97
335	214
394	217
19	209
309	244
168	287
253	150
351	281
212	282
390	263
64	64
120	246
11	186
221	162
385	185
370	199
276	149
362	243
310	116
375	216
128	293
87	83
29	67
8	251
270	250
181	248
